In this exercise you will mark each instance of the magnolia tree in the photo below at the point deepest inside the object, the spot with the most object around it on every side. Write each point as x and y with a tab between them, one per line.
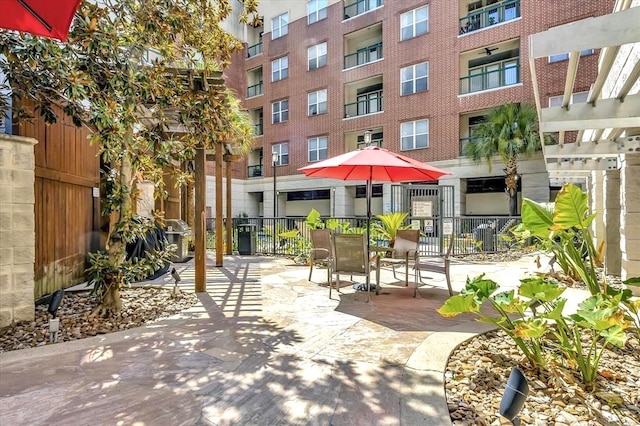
121	73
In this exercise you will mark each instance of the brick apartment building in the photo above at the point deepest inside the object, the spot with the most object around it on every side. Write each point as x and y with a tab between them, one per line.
418	75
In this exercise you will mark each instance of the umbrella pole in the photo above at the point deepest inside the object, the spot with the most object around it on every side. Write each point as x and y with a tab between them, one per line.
369	195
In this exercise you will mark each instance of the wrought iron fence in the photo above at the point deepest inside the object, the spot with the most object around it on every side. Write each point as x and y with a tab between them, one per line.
289	236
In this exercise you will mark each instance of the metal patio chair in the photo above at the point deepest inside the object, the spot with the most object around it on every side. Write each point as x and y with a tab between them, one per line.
405	251
350	256
321	252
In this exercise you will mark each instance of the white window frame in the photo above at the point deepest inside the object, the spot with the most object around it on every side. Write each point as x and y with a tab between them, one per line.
318	146
565	56
319	104
318	55
409	132
316	11
576	98
280	26
282	114
282	149
279	69
408	20
414	78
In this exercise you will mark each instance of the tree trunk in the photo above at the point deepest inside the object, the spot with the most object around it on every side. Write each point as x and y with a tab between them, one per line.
511	182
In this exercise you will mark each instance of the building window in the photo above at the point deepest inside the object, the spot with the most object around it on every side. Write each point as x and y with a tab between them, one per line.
283	153
280	68
414	23
414	134
317	148
280	111
317	102
316	11
565	56
415	78
376	191
576	98
376	140
279	26
317	194
317	56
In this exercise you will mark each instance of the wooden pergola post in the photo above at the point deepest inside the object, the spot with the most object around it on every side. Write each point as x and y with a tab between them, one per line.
229	228
200	227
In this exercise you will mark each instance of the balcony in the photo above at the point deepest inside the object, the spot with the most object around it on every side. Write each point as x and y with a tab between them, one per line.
498	74
482	15
359	7
257	129
363	97
254	171
370	105
254	50
466	141
254	90
363	56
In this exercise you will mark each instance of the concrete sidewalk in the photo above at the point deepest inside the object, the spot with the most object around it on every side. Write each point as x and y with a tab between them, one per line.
263	347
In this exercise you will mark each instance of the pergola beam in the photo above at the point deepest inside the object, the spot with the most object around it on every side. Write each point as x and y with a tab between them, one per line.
601	148
582	167
594	33
610	113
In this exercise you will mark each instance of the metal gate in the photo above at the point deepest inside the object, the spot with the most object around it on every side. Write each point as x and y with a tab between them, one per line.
431	209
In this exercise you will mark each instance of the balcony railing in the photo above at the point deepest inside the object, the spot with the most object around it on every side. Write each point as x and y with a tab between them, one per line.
254	90
363	56
254	171
359	7
257	128
254	50
507	74
466	141
363	107
490	15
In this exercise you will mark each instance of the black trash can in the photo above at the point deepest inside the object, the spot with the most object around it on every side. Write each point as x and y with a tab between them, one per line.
246	238
484	236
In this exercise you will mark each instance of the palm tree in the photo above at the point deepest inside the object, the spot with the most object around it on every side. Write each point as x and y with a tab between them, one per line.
510	131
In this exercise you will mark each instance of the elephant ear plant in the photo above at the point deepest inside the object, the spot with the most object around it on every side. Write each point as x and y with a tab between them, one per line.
565	232
534	319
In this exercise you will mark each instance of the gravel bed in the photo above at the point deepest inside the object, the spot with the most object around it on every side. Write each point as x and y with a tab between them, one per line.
478	370
139	306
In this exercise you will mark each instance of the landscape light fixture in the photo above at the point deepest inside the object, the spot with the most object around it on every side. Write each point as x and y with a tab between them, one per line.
514	396
54	323
177	279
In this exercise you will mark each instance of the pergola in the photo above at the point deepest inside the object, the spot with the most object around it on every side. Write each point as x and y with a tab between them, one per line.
606	147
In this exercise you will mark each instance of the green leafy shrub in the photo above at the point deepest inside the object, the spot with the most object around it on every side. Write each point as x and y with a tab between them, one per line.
535	320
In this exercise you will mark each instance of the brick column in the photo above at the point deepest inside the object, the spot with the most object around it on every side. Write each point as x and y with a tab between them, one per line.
17	229
630	217
611	216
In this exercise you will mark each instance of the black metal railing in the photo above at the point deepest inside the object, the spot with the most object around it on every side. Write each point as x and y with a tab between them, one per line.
490	15
254	90
254	171
257	128
289	236
254	50
363	56
507	74
359	7
466	141
363	107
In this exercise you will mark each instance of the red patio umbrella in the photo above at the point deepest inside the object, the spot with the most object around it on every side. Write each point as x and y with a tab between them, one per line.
48	18
373	163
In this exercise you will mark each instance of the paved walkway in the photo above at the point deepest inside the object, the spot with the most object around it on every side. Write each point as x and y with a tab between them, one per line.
263	347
